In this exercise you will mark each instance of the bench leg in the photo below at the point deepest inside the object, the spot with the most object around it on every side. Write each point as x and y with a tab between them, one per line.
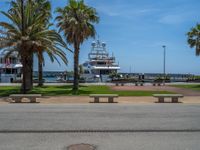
33	100
110	100
96	100
161	100
17	100
174	100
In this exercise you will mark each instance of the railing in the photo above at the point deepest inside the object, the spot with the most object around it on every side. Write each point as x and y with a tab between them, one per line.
105	66
8	75
9	65
100	58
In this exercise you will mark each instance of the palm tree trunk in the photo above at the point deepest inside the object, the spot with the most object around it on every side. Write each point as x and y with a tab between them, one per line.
40	74
76	73
27	82
23	86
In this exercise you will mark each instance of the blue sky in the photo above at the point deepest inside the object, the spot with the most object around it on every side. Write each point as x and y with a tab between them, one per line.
135	31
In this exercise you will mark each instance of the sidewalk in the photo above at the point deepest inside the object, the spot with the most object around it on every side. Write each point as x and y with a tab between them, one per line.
122	100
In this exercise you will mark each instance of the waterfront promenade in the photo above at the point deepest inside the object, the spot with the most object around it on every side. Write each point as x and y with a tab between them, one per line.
190	95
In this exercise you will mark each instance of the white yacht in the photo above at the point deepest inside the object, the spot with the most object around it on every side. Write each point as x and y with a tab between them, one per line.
10	68
99	65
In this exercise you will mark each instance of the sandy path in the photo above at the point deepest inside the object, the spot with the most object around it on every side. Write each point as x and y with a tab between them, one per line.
185	92
122	100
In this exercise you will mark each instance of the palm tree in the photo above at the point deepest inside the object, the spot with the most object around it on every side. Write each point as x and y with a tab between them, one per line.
44	7
27	35
51	49
194	38
14	37
77	20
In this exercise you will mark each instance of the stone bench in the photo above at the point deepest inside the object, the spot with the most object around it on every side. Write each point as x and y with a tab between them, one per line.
17	98
109	96
174	97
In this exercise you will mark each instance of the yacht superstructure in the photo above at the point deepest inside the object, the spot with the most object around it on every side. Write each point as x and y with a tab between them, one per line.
99	65
10	67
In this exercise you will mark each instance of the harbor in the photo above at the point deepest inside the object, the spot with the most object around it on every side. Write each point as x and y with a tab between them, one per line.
62	87
101	67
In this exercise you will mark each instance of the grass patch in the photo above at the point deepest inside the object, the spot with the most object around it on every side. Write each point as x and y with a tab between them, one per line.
83	90
189	86
7	90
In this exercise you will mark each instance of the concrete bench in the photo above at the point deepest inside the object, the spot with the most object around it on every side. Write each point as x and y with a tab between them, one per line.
17	98
174	97
109	96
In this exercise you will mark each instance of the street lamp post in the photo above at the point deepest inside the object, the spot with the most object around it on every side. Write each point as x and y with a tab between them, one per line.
164	63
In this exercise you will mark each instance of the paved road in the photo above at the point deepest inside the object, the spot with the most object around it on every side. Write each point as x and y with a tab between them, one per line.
103	141
109	127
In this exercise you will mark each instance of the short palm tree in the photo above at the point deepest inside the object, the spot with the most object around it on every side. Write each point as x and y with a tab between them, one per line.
194	38
44	7
26	34
76	21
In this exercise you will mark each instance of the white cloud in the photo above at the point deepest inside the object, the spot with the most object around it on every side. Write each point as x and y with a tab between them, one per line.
174	18
125	10
178	15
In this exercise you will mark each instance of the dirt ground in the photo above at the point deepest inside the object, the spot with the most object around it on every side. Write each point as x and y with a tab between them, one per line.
184	91
120	100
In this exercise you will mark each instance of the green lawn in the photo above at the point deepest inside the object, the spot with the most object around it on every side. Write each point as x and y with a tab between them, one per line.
189	86
84	90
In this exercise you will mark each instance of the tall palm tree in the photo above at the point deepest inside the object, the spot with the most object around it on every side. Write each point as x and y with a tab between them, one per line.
194	38
26	34
14	37
77	20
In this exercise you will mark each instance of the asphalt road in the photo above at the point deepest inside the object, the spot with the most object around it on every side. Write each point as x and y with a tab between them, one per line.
107	126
